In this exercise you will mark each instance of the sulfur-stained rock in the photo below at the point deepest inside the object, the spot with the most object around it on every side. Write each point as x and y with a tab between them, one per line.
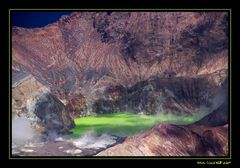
33	101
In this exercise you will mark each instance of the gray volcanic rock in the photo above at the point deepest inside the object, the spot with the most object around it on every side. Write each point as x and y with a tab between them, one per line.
52	114
220	115
217	117
18	75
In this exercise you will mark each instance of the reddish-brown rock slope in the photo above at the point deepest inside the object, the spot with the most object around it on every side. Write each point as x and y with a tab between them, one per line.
174	140
89	51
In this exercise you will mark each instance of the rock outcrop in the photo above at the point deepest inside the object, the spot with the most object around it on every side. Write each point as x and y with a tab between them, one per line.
33	101
52	115
177	95
174	140
25	89
220	115
88	54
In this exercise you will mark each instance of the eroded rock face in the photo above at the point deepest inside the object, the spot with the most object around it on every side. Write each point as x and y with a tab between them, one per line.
220	115
83	56
174	140
178	95
32	100
25	89
52	114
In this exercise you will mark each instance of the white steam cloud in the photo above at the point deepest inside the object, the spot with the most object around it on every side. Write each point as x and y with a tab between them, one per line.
91	140
22	132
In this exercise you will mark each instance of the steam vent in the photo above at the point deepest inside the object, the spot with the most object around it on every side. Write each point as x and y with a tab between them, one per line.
122	84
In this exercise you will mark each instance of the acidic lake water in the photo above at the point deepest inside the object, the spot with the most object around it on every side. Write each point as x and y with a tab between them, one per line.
125	124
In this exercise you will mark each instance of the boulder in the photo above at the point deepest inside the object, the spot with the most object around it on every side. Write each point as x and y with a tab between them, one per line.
52	114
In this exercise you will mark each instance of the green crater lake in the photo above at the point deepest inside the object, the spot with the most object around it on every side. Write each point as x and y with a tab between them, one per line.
125	124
